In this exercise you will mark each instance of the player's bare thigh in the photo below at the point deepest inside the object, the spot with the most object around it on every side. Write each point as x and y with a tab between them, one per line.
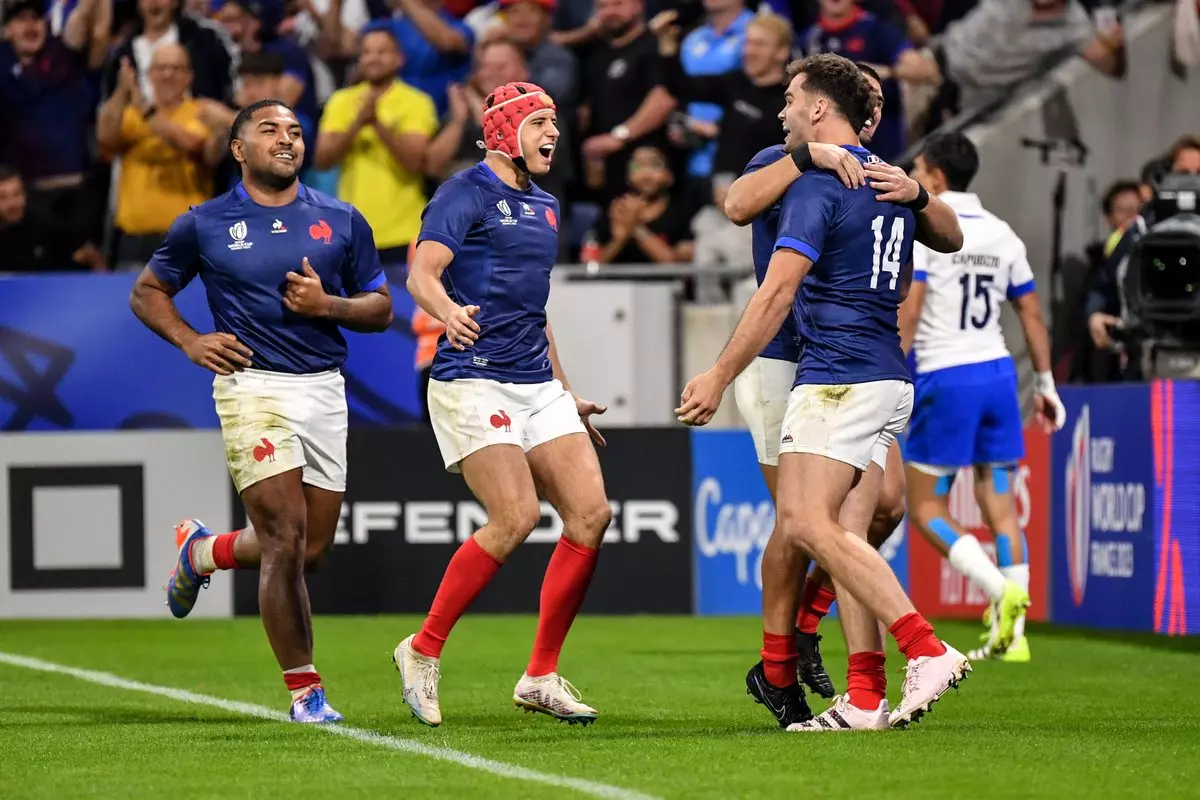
994	494
889	510
811	490
276	508
499	477
928	490
567	471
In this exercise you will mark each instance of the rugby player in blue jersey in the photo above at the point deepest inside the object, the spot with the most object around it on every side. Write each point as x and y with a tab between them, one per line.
837	263
284	268
501	408
762	389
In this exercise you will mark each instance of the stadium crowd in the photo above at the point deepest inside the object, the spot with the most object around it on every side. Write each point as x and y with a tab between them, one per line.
114	114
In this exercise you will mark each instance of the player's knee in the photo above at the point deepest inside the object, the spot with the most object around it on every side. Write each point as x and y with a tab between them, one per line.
517	520
315	555
796	528
888	515
282	535
592	519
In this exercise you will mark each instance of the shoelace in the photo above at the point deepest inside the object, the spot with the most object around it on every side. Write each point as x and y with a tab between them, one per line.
566	686
430	674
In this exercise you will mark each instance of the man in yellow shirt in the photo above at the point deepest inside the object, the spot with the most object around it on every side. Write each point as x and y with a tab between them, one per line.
161	148
377	131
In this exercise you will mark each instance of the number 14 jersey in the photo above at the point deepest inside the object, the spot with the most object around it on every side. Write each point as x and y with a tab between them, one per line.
846	307
964	291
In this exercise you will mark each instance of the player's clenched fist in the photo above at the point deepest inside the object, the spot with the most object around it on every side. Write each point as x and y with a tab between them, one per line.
700	399
461	330
220	352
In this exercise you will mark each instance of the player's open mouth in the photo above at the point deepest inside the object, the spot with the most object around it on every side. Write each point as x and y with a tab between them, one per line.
546	150
285	156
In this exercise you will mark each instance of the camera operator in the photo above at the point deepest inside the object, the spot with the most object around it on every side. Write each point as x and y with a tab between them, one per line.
1104	303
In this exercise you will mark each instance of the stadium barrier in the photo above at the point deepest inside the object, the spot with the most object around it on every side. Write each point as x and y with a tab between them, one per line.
86	528
404	516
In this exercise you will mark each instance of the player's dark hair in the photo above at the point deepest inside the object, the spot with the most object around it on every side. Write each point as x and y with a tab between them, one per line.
867	69
261	64
955	155
1116	190
247	113
7	173
840	80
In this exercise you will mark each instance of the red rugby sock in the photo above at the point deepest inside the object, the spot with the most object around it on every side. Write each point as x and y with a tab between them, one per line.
779	658
469	571
914	636
222	551
566	583
813	607
866	680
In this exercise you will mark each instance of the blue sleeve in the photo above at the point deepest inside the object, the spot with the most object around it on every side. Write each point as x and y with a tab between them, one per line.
362	269
806	212
466	29
1021	290
891	42
764	158
920	276
448	218
177	259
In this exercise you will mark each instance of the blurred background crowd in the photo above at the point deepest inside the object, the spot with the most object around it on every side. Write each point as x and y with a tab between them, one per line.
115	114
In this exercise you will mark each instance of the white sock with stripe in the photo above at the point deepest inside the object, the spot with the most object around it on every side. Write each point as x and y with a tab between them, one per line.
968	557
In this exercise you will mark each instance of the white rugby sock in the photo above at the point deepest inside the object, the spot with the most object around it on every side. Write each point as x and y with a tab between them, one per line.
1018	574
202	555
967	556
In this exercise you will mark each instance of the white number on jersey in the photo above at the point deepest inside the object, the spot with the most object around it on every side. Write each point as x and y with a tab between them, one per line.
887	257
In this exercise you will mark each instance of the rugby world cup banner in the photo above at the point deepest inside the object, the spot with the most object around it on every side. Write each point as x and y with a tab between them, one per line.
1104	520
938	590
732	519
74	357
404	517
1175	421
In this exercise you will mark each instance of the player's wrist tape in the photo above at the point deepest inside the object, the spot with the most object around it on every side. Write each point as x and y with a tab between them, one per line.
1043	383
921	200
802	158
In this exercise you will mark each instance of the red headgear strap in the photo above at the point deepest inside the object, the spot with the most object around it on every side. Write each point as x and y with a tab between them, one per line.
506	111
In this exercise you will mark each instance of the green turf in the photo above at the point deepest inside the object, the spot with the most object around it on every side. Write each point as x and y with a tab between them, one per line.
1092	716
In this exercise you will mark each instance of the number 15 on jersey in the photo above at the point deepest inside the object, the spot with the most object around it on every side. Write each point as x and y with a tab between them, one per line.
886	256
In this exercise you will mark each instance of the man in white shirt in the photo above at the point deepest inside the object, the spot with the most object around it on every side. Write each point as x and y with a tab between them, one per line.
966	411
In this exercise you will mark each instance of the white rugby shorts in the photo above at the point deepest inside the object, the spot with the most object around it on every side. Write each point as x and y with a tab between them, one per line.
762	392
273	422
854	423
471	414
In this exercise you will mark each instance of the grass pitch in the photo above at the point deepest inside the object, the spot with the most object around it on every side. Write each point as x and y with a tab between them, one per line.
1093	716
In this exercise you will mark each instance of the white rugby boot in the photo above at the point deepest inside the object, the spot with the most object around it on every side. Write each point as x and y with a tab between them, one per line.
419	676
553	695
841	716
928	678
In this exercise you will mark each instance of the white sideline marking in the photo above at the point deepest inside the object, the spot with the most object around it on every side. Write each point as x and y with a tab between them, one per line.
498	768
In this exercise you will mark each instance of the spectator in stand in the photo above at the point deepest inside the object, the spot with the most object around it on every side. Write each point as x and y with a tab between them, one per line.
456	147
1120	206
99	33
436	46
1002	43
847	30
33	242
719	242
378	131
161	146
749	97
713	48
161	22
259	78
645	226
626	102
251	25
46	109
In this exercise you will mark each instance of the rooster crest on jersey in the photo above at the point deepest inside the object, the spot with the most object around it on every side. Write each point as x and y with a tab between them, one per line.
505	113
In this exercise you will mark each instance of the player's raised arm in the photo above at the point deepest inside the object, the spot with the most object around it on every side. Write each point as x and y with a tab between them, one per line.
765	181
937	224
174	264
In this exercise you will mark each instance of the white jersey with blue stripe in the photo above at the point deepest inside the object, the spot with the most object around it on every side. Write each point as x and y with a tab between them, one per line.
960	319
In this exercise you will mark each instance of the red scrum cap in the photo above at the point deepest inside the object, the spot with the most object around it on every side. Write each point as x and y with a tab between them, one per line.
505	112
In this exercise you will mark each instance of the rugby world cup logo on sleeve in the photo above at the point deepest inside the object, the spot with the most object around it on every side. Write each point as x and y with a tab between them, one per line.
1078	506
